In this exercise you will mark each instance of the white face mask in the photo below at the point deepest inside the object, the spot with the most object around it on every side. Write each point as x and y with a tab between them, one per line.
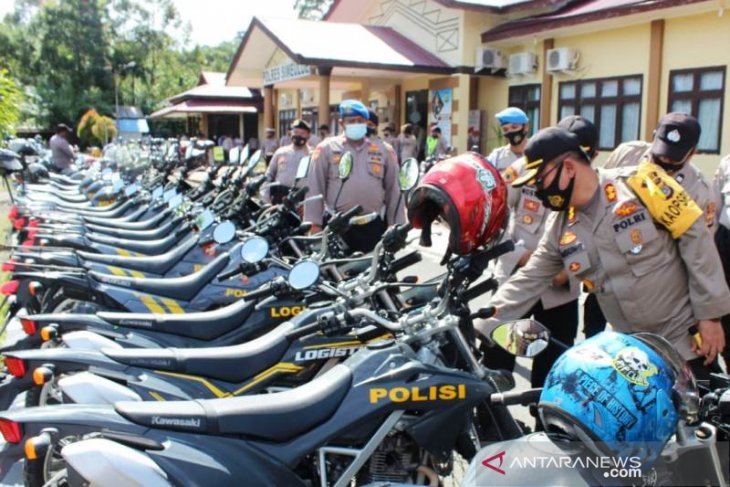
356	131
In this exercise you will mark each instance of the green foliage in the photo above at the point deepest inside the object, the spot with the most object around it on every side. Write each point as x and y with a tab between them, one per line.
312	9
70	55
95	129
10	98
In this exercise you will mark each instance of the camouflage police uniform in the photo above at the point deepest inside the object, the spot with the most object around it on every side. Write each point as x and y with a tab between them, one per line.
283	168
641	246
373	183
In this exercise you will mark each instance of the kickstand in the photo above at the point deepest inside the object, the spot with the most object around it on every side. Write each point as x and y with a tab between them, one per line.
7	185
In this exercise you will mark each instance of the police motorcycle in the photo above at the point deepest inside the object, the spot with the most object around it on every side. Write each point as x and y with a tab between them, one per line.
390	400
215	328
618	410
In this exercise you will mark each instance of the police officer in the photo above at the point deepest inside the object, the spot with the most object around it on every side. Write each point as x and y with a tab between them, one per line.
285	161
634	237
270	143
373	183
515	125
557	308
675	142
721	198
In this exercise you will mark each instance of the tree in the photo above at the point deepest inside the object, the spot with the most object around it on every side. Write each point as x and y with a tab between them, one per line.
10	99
312	9
95	129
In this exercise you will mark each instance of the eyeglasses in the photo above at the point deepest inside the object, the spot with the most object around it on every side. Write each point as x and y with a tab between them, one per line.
537	182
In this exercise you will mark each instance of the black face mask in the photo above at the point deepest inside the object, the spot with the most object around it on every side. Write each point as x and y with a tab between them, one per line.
516	137
667	166
298	140
554	198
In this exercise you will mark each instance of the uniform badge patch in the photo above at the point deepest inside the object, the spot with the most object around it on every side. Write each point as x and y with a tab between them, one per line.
510	174
571	216
710	214
532	205
527	219
636	237
590	285
610	190
574	267
568	238
626	209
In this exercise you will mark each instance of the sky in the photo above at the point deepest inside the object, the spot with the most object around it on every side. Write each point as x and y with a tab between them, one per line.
215	21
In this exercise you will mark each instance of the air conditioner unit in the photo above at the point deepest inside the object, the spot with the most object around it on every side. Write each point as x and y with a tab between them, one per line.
561	59
488	58
522	63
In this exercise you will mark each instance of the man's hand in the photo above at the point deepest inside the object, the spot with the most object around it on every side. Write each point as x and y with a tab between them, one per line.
315	229
712	340
525	257
560	279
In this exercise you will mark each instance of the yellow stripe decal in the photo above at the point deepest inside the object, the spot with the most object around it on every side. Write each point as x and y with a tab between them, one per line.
123	253
116	271
284	368
136	274
156	396
172	306
334	345
152	305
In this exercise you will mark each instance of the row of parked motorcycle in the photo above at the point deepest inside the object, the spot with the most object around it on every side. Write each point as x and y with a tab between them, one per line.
164	333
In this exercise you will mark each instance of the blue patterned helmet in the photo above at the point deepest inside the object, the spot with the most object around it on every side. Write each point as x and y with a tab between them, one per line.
617	393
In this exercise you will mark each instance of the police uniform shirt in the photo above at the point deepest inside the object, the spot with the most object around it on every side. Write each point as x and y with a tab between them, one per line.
652	270
690	177
526	226
502	157
270	145
373	182
283	167
721	192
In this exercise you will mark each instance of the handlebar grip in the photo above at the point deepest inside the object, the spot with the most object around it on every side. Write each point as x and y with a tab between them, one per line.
524	398
481	288
303	228
355	210
298	195
228	275
502	248
406	261
260	293
303	331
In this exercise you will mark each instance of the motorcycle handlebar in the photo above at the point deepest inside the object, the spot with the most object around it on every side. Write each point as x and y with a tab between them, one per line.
406	261
481	288
524	398
298	195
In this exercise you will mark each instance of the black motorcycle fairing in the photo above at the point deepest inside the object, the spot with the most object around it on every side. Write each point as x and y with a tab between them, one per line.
270	417
231	364
183	288
147	247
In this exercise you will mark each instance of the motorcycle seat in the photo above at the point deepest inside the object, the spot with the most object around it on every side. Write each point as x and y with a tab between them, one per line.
152	264
131	221
147	247
183	288
124	233
205	325
276	417
231	364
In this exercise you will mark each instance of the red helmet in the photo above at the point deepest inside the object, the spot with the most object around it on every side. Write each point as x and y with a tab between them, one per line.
469	194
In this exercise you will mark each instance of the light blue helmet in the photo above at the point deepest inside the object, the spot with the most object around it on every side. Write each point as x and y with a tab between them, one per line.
622	395
512	115
353	108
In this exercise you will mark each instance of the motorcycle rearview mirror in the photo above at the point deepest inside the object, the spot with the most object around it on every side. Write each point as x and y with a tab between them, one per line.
130	190
409	174
344	168
253	162
303	168
205	219
243	156
157	192
524	338
233	155
175	201
167	195
224	232
254	250
304	274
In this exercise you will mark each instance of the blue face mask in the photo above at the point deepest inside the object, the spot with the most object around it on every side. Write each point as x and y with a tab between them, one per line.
356	131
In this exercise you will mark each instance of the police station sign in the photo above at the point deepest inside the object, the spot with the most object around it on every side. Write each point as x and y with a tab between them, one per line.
284	72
